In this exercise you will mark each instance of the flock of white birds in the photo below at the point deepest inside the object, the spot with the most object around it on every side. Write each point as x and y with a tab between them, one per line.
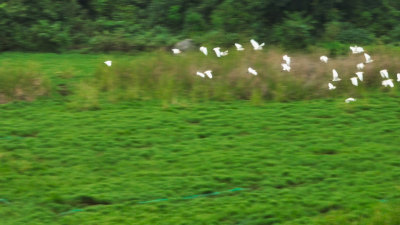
286	65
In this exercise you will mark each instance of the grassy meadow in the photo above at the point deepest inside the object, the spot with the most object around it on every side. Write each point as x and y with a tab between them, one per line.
147	142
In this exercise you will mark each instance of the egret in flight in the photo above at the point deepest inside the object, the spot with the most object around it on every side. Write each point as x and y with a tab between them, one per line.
176	51
204	50
388	82
239	47
360	66
348	100
200	74
286	59
335	75
255	44
252	71
208	73
354	81
398	77
384	74
368	58
108	63
217	51
225	53
356	49
360	75
324	59
331	86
285	67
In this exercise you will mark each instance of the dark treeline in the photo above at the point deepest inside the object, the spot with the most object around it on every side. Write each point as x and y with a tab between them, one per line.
126	25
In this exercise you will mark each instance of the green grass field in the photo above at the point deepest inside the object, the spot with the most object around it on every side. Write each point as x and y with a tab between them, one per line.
316	161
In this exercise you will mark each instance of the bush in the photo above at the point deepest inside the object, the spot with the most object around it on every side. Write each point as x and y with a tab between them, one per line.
86	97
24	82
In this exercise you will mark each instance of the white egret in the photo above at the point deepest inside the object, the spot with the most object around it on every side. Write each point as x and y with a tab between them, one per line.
252	71
348	100
360	66
239	47
398	77
225	53
324	59
356	49
204	50
255	44
331	86
108	63
354	81
286	59
200	74
217	51
388	82
384	74
360	75
176	51
285	67
335	75
368	58
208	73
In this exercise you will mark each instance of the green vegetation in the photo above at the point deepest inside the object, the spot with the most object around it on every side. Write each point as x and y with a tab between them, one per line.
113	161
136	25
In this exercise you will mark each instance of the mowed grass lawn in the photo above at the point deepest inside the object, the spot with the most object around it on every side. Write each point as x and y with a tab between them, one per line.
305	162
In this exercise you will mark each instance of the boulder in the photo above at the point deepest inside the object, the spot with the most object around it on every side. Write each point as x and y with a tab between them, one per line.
185	45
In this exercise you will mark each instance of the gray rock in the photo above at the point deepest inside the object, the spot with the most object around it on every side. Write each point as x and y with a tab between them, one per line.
185	45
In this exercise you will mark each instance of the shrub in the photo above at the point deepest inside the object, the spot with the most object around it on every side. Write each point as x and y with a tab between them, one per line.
23	82
86	97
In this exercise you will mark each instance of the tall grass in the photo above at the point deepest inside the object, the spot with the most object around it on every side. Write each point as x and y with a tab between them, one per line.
22	82
171	78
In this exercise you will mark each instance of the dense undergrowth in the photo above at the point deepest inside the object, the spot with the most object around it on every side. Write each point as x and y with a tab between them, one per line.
316	160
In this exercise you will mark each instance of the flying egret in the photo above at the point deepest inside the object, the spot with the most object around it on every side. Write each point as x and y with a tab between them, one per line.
384	74
255	44
324	59
286	59
225	53
350	100
398	77
239	47
368	58
200	74
208	73
108	63
354	81
285	67
335	75
356	49
331	86
176	51
388	82
252	71
360	75
217	51
204	50
360	66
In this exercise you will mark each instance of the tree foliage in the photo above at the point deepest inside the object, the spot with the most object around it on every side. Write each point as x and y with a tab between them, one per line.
125	25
